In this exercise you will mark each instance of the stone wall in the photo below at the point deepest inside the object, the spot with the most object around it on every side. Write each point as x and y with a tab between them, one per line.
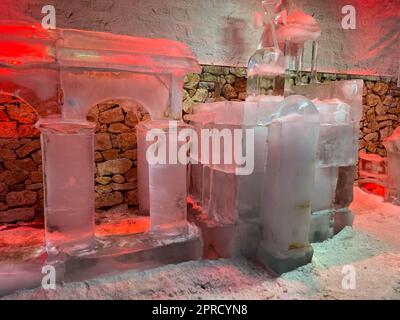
381	115
215	83
21	188
116	154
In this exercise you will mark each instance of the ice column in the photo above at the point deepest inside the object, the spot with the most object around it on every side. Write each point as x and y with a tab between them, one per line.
289	180
68	158
162	176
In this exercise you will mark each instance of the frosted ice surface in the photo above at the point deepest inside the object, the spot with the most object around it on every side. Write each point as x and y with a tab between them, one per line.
347	91
333	111
286	204
324	188
338	145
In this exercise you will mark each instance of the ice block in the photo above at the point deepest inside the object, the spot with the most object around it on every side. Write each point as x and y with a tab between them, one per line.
288	186
68	154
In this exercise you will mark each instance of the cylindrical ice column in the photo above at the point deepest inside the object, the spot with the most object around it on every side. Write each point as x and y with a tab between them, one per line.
162	178
68	158
289	179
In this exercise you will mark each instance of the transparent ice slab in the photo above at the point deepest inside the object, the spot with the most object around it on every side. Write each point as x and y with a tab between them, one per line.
162	181
68	165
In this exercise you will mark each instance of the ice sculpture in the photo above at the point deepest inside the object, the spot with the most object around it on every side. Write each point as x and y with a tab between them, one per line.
62	74
372	173
380	175
266	67
245	214
295	29
340	107
277	174
392	145
288	185
227	203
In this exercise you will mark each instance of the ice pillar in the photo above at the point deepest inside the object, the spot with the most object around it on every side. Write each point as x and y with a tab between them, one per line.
162	176
68	158
289	179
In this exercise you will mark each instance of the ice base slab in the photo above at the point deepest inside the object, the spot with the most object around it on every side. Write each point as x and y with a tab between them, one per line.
141	251
22	256
281	262
21	266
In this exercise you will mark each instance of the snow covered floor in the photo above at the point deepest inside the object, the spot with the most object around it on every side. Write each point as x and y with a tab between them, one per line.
373	248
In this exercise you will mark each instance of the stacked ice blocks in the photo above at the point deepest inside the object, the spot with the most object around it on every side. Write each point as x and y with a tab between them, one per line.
259	208
229	189
340	107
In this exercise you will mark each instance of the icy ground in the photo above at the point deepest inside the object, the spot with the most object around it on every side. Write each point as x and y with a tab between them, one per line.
373	248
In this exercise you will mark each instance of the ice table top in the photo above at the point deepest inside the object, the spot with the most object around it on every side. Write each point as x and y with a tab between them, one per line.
24	46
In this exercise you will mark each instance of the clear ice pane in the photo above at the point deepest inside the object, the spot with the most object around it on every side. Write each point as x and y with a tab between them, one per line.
68	152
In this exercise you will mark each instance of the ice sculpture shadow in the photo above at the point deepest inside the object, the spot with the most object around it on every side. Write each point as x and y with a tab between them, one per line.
233	36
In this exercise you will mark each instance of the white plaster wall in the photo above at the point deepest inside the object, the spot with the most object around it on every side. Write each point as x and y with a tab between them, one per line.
220	31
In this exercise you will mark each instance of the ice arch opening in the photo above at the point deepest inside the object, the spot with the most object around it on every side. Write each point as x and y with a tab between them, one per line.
116	167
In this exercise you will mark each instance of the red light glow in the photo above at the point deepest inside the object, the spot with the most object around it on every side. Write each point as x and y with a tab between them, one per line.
374	188
14	62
